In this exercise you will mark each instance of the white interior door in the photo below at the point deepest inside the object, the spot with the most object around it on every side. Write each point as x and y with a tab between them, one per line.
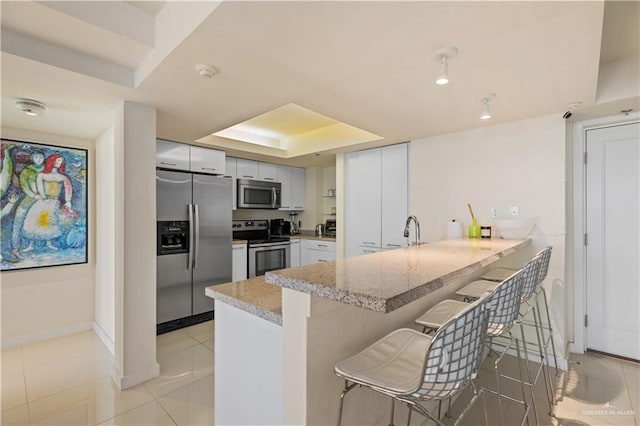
613	249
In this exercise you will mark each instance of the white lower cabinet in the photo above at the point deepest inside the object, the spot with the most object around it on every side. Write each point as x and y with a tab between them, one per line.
318	251
239	262
295	253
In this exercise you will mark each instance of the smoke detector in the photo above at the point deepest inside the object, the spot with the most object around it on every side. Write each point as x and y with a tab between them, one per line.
31	106
206	70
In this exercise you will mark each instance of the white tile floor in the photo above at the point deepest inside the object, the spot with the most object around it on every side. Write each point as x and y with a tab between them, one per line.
66	381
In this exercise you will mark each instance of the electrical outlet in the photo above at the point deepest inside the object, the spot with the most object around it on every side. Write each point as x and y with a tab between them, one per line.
515	210
494	212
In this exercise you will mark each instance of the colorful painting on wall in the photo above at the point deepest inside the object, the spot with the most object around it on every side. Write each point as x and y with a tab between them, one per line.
44	205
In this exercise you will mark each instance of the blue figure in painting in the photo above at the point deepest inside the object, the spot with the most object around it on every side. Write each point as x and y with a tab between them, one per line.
28	178
45	220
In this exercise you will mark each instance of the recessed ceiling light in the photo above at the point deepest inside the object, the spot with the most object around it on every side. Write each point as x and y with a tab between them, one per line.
206	70
443	55
31	107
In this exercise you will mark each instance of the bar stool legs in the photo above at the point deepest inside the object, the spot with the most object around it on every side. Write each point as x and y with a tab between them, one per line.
347	388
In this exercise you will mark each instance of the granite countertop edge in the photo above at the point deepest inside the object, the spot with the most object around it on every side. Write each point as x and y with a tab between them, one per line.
252	308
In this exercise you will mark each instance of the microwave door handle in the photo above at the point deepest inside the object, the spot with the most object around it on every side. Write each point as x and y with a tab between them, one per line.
274	197
190	256
196	243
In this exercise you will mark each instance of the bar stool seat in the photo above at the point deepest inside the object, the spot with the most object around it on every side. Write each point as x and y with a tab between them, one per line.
477	288
441	313
393	362
498	274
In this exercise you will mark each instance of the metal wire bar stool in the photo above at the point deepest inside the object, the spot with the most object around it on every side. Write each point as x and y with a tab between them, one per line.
412	367
505	303
494	276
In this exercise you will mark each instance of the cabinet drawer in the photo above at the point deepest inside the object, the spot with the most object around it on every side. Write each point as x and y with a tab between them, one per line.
368	250
315	256
321	245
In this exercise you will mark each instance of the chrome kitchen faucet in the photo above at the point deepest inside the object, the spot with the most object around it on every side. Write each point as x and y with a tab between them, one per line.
406	228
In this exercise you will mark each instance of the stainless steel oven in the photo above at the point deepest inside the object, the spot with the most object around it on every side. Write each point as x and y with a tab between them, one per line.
265	257
266	252
257	194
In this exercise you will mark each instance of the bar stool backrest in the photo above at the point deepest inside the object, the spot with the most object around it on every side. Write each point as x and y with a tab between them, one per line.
545	253
530	274
505	300
455	353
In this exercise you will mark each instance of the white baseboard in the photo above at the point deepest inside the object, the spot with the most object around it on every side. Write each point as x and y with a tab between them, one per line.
104	337
140	376
45	335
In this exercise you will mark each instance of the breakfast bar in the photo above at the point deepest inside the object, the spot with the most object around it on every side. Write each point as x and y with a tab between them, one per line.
276	363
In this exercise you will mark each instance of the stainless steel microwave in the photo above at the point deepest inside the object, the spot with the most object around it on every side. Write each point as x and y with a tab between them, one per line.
258	194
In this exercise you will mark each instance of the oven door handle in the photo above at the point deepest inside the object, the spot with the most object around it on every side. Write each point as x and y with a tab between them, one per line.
269	246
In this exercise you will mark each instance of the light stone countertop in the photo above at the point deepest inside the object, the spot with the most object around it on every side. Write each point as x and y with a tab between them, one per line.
234	242
252	296
386	281
311	235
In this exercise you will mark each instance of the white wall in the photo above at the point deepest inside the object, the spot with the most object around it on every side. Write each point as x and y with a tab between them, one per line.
135	240
43	303
515	164
106	238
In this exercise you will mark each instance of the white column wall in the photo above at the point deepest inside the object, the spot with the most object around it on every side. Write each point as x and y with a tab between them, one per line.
135	262
104	301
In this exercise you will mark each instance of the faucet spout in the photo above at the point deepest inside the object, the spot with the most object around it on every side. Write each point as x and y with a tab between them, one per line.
417	224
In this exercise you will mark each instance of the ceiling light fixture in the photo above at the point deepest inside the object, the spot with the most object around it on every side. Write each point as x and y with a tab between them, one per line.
443	55
485	99
206	70
31	107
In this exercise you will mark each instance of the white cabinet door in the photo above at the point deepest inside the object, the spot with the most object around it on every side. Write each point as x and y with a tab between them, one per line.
284	177
394	195
239	262
267	171
172	155
297	188
369	197
206	160
247	169
317	256
295	253
230	172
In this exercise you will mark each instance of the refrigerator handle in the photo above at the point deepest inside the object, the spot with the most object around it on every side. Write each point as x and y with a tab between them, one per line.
191	233
197	238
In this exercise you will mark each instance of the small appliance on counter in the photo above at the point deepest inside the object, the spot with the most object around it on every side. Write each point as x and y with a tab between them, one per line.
293	223
330	228
280	227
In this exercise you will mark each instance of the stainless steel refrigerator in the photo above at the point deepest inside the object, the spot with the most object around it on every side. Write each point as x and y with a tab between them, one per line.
193	244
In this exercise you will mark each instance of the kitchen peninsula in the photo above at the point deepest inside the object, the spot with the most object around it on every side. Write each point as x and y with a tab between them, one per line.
275	366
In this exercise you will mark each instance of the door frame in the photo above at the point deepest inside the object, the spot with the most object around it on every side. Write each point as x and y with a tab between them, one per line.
578	341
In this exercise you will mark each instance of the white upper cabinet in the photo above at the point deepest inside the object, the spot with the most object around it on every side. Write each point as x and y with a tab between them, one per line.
284	177
172	155
205	160
230	172
297	188
247	169
369	198
179	156
292	180
395	195
267	171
